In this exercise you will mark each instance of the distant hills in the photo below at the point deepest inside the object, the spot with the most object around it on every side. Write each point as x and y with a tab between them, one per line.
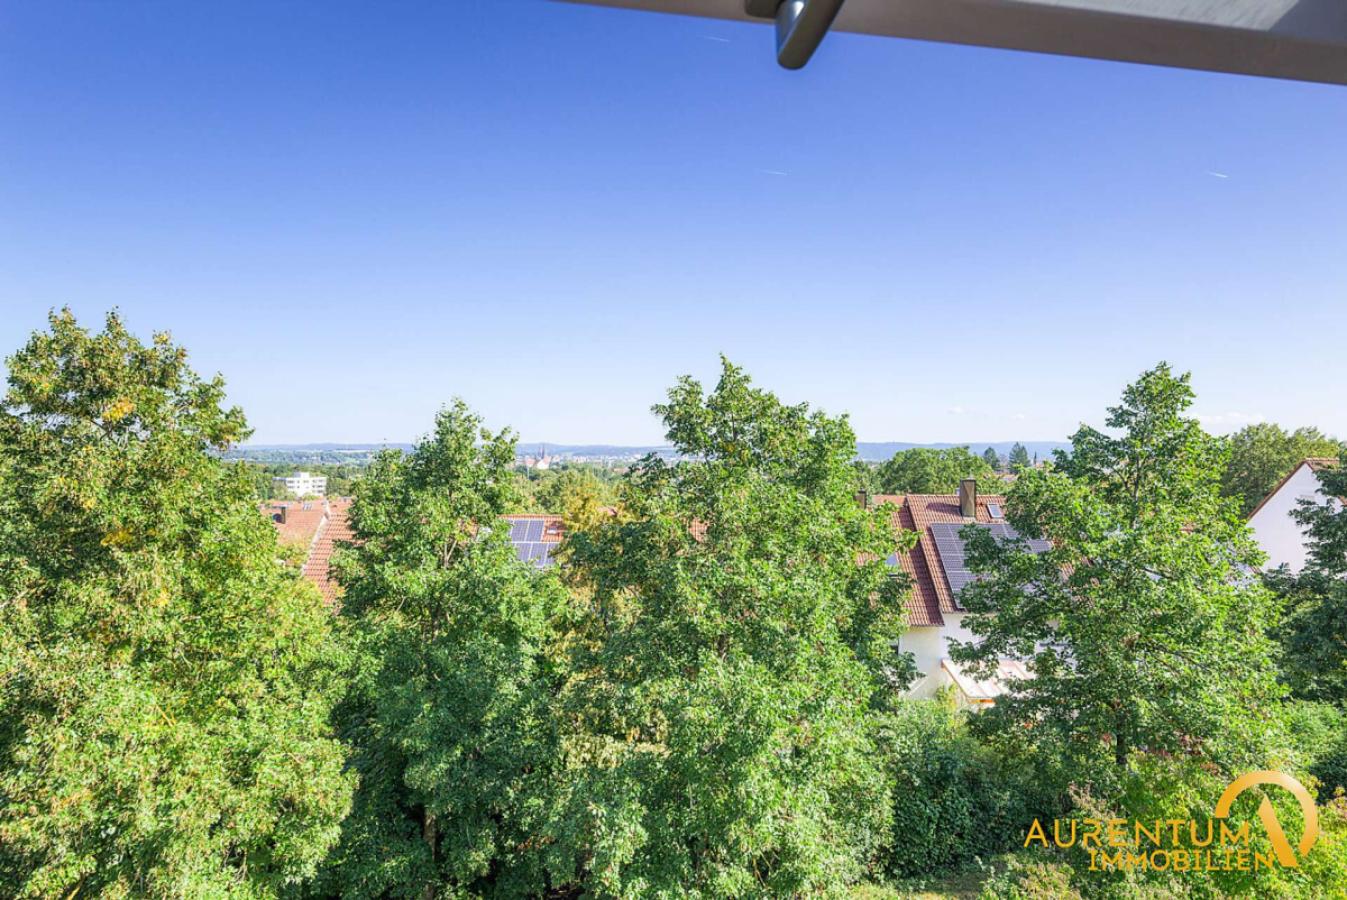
873	451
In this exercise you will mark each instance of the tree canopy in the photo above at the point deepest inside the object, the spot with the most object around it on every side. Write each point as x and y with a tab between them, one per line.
1140	625
730	704
449	713
1314	631
1263	454
927	470
164	683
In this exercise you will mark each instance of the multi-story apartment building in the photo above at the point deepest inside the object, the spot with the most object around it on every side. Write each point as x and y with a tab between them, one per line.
300	484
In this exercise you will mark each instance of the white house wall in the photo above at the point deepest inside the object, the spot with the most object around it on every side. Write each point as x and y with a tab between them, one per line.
928	646
1280	536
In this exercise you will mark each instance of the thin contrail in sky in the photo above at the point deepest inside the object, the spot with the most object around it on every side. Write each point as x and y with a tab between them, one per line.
1218	175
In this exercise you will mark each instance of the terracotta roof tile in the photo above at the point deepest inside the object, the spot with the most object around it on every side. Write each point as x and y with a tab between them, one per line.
931	596
554	527
335	530
296	521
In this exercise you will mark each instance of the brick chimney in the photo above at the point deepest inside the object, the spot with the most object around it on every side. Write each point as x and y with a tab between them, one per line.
968	498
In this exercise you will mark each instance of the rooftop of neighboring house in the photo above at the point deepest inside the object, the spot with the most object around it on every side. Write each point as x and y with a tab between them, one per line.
936	577
316	526
535	537
335	530
297	521
935	564
1315	464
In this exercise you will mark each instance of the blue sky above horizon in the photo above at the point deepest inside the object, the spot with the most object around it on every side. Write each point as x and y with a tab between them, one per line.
357	211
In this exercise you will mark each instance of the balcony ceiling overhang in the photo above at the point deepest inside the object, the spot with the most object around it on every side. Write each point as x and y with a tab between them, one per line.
1305	40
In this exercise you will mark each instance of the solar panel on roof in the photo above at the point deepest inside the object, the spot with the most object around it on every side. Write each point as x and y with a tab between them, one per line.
953	557
535	530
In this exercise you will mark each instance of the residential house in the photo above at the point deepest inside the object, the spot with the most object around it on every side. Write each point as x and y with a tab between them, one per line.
1277	532
937	569
314	528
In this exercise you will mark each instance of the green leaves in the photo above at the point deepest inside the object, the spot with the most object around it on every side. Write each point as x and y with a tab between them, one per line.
450	714
1262	454
1314	633
1142	625
164	684
923	470
727	709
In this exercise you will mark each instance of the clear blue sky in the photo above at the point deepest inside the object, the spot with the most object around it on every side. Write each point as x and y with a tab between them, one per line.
357	211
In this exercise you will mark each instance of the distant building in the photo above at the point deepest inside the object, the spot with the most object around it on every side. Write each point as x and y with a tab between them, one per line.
1280	535
300	484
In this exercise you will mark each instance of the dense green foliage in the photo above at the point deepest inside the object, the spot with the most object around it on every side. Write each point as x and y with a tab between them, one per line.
992	458
164	684
702	701
1262	455
1313	632
565	486
955	799
449	714
1018	458
925	470
1139	624
730	703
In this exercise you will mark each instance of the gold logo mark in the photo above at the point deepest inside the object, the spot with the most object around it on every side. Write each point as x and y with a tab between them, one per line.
1285	855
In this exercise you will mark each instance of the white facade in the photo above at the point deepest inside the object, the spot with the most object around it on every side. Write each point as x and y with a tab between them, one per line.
929	646
300	484
1280	536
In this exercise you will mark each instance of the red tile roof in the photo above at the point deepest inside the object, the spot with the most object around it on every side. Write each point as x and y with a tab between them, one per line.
334	531
297	521
318	526
553	529
931	596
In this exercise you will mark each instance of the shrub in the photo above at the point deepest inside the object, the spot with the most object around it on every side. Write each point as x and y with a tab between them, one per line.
1031	876
1319	735
954	798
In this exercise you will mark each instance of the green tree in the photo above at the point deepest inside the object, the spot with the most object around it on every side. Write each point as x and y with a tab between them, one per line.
865	477
1139	625
743	658
1018	459
1314	631
449	713
164	684
992	458
1262	455
568	485
925	470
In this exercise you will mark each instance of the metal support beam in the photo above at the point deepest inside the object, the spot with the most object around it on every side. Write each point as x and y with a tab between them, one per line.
1305	40
801	26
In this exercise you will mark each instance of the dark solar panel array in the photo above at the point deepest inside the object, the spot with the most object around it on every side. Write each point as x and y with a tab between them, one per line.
951	549
529	546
